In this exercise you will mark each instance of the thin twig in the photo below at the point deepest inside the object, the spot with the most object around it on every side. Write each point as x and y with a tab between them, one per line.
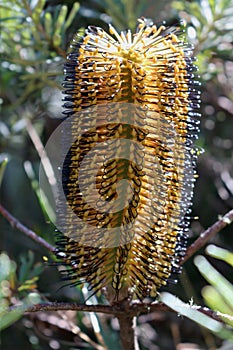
15	223
92	316
47	166
63	306
207	235
76	330
132	310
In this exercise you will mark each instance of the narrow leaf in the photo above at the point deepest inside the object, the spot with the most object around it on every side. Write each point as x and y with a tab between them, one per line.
193	314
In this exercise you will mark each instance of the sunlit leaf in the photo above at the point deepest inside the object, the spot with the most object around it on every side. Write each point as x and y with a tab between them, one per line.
7	318
72	15
215	301
220	253
222	285
2	168
193	314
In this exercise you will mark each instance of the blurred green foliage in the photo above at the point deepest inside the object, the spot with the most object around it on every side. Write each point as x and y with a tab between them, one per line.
17	288
35	35
219	294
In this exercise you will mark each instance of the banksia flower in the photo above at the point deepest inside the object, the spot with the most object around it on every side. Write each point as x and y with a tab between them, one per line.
132	104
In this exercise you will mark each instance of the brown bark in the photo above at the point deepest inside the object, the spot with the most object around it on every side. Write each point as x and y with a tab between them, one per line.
128	335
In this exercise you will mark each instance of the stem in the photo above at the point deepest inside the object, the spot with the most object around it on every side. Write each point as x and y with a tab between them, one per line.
131	311
48	169
62	306
126	316
207	235
128	337
29	233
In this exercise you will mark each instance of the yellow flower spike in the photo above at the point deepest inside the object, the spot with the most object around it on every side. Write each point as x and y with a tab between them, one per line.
146	77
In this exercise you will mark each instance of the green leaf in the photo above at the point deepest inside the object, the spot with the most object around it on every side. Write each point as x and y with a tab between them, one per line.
220	253
48	23
24	269
3	168
215	301
41	196
72	15
27	269
7	318
193	314
59	25
29	284
222	285
36	12
7	267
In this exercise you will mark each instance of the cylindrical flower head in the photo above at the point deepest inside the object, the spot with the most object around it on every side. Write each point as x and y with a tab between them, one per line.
132	102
